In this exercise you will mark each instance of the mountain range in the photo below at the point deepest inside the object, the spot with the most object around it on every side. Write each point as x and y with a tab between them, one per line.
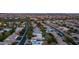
37	14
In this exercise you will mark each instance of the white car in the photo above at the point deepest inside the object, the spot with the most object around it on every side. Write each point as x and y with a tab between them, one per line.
36	42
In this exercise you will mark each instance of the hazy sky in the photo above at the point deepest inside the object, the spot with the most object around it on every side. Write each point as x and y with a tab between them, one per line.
37	6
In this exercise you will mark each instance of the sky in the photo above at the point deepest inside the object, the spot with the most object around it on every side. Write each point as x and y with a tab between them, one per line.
39	6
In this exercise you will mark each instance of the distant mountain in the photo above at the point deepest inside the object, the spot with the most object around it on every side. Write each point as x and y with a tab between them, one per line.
37	14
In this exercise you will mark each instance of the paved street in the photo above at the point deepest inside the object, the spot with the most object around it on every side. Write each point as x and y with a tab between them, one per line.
38	39
24	38
54	32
